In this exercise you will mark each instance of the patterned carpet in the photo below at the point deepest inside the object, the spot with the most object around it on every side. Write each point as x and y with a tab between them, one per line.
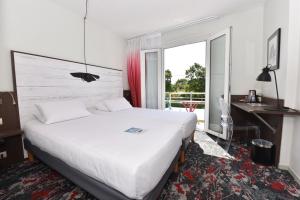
201	177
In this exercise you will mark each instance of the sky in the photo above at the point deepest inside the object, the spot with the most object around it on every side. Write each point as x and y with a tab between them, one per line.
178	59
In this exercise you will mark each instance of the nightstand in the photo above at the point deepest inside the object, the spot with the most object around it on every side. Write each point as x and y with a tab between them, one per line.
11	147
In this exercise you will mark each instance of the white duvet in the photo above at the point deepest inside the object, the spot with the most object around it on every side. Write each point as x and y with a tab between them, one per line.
98	146
186	120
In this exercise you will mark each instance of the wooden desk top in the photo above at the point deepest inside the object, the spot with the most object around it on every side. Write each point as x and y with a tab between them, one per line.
261	109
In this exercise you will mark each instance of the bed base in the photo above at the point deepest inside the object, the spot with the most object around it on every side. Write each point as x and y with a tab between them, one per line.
185	144
91	185
30	157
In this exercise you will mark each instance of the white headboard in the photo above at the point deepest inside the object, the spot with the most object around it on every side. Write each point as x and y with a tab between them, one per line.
40	78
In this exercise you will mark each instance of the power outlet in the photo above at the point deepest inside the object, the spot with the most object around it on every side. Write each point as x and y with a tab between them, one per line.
3	155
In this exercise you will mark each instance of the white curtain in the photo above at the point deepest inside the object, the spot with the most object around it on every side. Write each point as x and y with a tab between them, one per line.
151	79
133	45
151	41
151	69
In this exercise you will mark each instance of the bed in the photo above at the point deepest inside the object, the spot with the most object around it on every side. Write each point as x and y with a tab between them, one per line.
94	151
99	147
187	121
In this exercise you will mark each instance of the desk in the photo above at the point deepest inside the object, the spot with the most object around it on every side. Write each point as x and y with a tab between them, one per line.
270	122
257	109
262	109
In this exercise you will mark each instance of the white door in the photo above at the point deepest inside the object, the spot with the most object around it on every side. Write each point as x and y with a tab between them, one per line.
151	79
217	80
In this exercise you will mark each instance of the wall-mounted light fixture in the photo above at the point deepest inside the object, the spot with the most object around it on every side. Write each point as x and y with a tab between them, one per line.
85	76
12	98
11	94
266	77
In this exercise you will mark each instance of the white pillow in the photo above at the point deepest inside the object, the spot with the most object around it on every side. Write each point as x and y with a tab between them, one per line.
117	104
101	106
57	111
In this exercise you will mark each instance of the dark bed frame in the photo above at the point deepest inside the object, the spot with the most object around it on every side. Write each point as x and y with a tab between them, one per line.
91	185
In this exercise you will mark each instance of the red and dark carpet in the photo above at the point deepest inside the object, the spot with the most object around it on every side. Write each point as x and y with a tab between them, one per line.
201	177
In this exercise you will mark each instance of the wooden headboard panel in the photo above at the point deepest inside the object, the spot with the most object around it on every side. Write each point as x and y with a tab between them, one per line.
39	78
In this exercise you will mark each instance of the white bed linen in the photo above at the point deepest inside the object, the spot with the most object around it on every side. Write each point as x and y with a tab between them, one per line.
186	120
98	146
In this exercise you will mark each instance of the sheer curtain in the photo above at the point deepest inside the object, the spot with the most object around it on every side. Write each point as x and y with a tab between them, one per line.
150	44
134	48
151	79
134	70
151	41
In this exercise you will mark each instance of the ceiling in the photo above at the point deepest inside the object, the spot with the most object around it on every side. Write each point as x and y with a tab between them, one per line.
130	18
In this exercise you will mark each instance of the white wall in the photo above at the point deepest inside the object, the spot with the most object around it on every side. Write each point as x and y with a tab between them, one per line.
293	87
295	147
276	15
285	14
43	27
246	44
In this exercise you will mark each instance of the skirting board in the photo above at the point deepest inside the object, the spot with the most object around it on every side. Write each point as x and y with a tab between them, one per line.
291	171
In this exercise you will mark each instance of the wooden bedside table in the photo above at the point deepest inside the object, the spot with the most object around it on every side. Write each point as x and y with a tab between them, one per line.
11	147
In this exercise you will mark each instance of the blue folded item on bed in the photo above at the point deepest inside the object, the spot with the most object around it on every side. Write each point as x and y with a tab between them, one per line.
134	130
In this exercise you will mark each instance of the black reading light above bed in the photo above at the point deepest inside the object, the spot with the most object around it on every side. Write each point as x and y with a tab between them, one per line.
85	76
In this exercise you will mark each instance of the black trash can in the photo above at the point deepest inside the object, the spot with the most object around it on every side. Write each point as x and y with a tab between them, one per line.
263	152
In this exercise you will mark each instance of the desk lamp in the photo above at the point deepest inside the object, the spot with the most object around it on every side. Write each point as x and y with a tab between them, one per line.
266	77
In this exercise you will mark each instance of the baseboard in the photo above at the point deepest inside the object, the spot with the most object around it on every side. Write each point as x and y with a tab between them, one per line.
291	171
284	167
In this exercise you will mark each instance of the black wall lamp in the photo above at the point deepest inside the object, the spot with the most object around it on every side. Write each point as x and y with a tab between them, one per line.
266	77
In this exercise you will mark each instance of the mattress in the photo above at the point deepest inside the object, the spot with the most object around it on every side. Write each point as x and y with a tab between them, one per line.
186	120
99	147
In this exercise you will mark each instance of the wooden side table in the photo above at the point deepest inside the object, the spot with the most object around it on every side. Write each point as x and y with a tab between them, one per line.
11	147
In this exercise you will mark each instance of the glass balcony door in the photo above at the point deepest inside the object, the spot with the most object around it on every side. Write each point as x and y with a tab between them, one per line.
218	80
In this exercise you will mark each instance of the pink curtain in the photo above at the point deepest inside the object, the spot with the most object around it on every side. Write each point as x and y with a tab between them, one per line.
134	72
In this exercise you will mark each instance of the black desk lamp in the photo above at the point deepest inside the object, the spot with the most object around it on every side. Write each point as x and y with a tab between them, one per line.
266	77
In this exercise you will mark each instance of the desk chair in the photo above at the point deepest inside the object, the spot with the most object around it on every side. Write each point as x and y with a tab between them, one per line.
228	126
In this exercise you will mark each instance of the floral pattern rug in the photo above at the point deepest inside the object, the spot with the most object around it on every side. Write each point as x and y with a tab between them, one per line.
201	177
205	177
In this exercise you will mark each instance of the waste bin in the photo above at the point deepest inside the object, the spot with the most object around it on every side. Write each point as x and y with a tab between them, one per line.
263	151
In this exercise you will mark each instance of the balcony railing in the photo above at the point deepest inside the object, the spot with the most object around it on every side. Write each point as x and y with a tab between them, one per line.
175	99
